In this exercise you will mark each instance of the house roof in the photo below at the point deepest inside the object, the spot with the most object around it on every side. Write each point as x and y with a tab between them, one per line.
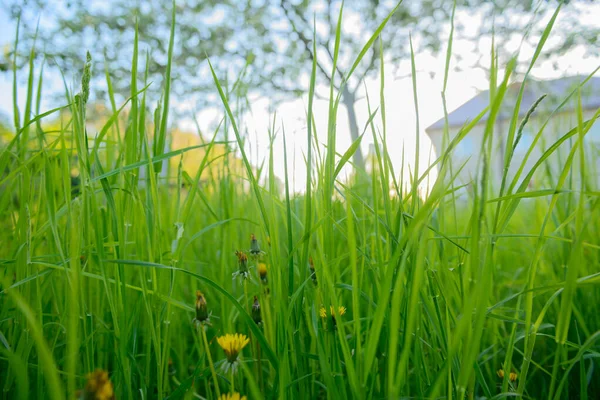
556	89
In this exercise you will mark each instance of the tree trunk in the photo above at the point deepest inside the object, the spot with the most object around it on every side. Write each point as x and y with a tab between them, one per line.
349	100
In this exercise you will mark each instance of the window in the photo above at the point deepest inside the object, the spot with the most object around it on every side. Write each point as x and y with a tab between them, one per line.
593	134
466	147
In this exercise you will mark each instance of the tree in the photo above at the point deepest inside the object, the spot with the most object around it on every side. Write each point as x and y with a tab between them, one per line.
269	42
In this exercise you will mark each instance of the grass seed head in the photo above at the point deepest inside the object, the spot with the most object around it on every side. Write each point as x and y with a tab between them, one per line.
85	79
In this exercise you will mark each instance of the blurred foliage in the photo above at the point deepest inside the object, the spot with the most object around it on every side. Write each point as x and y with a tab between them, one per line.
269	43
57	133
6	131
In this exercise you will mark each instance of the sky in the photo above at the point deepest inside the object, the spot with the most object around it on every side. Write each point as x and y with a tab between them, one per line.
400	108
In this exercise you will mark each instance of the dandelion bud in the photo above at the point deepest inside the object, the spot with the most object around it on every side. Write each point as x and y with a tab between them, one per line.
201	307
313	275
262	272
242	263
172	370
254	247
256	311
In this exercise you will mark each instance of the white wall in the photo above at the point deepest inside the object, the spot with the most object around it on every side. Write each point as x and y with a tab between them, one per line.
468	151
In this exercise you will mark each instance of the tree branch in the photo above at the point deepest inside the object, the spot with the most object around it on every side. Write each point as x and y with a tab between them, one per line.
304	40
372	61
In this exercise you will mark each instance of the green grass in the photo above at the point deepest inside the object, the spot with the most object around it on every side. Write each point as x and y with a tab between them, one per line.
439	295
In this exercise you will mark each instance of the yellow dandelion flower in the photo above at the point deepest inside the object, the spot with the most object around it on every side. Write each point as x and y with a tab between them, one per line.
232	396
98	386
232	345
323	312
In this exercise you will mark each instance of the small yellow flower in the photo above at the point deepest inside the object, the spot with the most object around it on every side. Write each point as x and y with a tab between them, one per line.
98	386
232	396
340	311
323	311
511	377
232	345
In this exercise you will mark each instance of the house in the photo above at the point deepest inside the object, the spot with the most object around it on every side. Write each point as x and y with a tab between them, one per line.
466	154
